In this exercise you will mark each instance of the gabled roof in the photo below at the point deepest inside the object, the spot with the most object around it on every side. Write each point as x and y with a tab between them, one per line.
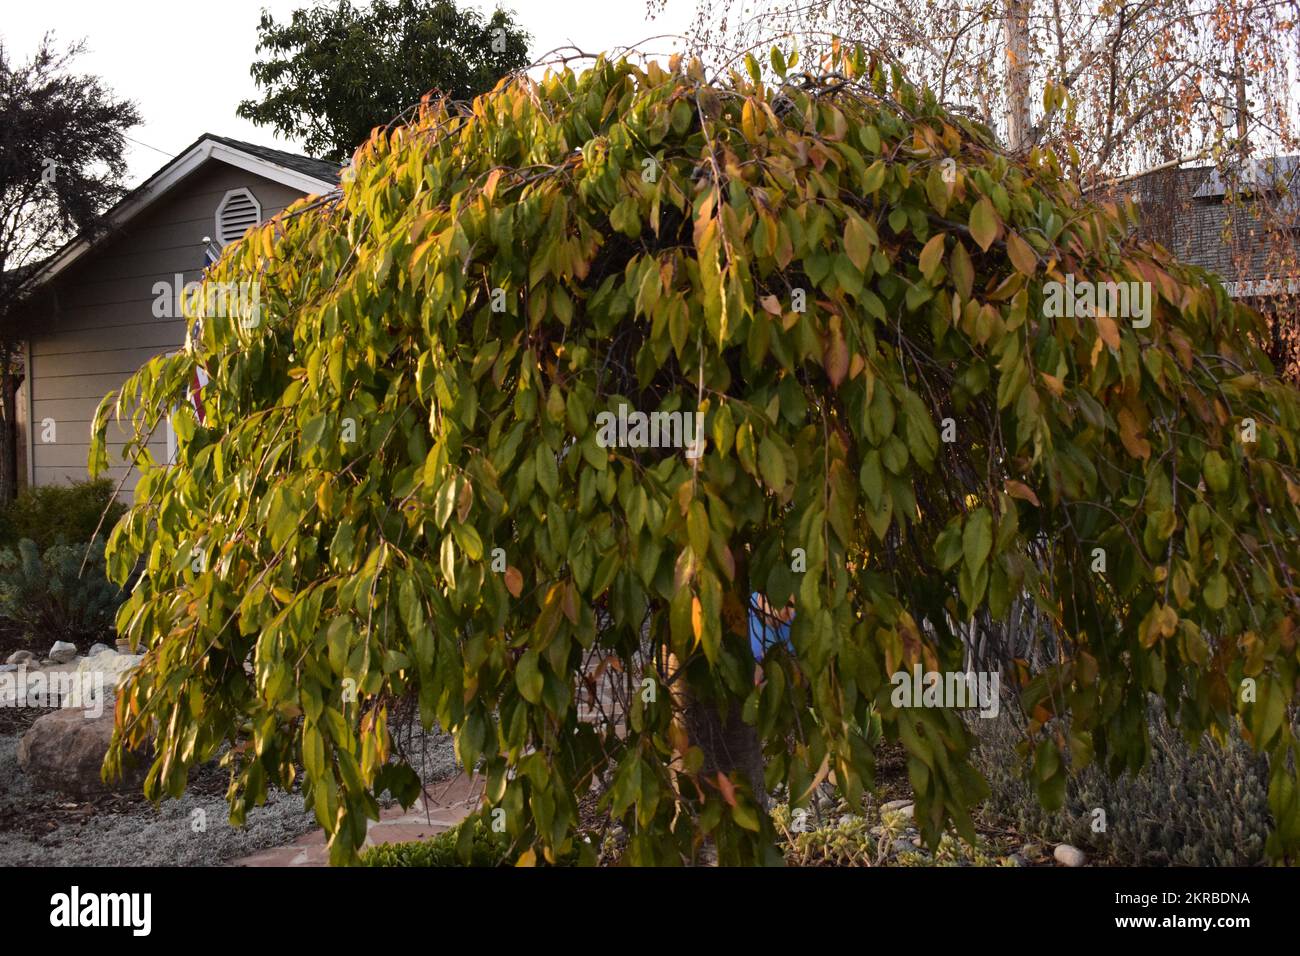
322	170
1273	175
309	176
1251	248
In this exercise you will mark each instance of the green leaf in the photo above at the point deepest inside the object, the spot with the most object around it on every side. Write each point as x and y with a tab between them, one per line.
948	546
977	538
778	62
469	541
771	464
1216	591
872	477
1217	475
548	475
528	676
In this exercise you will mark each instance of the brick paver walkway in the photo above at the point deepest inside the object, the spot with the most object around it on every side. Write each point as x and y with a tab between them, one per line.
445	805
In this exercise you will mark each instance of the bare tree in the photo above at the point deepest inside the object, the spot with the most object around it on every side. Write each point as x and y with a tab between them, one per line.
1121	92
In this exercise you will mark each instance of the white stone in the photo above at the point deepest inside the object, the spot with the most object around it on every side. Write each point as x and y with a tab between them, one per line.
1067	855
900	808
105	670
62	652
96	649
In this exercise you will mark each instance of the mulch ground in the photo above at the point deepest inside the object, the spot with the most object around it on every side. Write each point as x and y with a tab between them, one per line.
14	721
891	772
13	639
52	810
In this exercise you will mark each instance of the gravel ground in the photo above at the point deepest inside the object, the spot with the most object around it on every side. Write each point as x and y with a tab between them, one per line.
122	831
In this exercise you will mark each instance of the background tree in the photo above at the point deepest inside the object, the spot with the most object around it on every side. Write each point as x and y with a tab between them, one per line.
1116	89
61	145
400	489
335	72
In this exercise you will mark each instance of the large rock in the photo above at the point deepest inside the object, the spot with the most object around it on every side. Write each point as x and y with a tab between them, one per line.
63	653
21	657
65	751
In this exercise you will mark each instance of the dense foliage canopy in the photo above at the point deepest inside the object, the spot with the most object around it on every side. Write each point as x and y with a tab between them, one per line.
397	488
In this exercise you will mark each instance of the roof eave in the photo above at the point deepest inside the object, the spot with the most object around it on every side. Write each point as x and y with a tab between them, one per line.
161	182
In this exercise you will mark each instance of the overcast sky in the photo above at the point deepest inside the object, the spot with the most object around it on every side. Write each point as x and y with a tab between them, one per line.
185	64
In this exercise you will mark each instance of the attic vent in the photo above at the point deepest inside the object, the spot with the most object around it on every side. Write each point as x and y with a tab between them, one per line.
237	212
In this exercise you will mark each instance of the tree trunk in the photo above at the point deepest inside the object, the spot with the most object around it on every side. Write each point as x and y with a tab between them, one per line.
1015	26
9	382
730	745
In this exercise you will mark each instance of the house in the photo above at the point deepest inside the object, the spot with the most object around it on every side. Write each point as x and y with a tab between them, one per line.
91	312
1251	241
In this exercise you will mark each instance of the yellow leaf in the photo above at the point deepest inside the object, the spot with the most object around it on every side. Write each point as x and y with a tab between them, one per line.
697	619
1022	256
1097	346
857	243
836	357
1160	623
1109	331
751	121
931	256
1134	443
983	223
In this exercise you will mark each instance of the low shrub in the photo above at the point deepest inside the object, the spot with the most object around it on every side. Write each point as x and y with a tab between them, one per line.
48	595
486	849
870	836
1188	807
60	514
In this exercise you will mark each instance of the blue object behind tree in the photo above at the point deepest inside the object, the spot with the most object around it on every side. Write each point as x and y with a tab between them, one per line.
766	630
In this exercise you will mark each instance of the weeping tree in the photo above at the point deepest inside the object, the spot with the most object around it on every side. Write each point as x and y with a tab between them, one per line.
423	470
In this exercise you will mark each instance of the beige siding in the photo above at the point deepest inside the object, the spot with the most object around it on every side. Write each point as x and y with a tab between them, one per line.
101	327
